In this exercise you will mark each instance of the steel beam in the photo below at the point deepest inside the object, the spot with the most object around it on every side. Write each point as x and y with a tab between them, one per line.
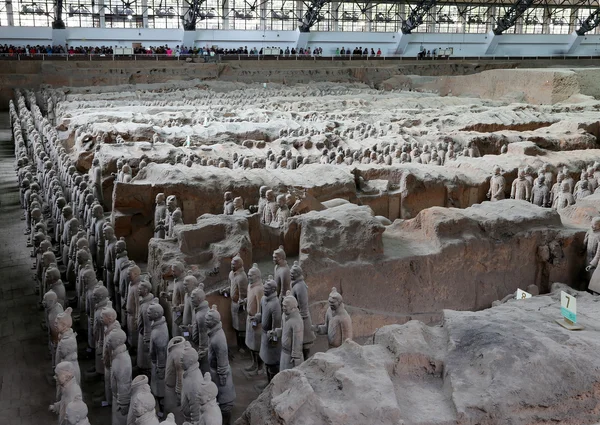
312	14
191	15
58	23
590	23
511	17
415	18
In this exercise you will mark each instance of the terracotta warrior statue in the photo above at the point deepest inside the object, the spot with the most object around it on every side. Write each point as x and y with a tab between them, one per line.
90	282
53	309
96	239
591	242
189	284
210	414
583	191
100	300
270	210
569	179
218	360
159	340
199	329
132	309
160	215
521	187
565	198
139	386
291	334
110	323
555	191
270	318
283	212
338	324
262	202
497	184
228	204
120	376
144	326
176	220
281	273
144	409
76	413
300	292
178	299
238	290
540	194
254	325
192	379
97	181
174	377
69	390
110	256
54	283
120	272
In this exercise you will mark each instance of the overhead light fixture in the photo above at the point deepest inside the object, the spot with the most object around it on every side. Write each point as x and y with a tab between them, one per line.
129	17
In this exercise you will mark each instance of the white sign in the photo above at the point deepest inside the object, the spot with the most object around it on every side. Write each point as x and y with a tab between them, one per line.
568	307
521	295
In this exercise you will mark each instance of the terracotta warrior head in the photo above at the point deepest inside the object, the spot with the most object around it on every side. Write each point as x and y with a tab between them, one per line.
120	246
76	412
143	403
263	191
171	203
100	293
279	256
109	316
190	283
270	286
213	318
335	299
64	372
237	263
144	288
52	275
208	390
296	272
64	321
50	300
596	224
134	272
541	180
155	310
290	304
116	338
189	356
254	274
198	297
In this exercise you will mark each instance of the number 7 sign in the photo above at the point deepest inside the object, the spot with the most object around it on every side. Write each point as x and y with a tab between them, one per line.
568	309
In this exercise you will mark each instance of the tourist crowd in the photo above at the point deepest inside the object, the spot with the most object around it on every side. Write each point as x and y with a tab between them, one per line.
166	50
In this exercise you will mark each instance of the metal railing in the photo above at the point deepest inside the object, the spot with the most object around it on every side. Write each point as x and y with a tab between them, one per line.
284	57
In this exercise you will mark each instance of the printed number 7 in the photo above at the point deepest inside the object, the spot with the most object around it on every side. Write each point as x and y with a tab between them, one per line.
568	301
